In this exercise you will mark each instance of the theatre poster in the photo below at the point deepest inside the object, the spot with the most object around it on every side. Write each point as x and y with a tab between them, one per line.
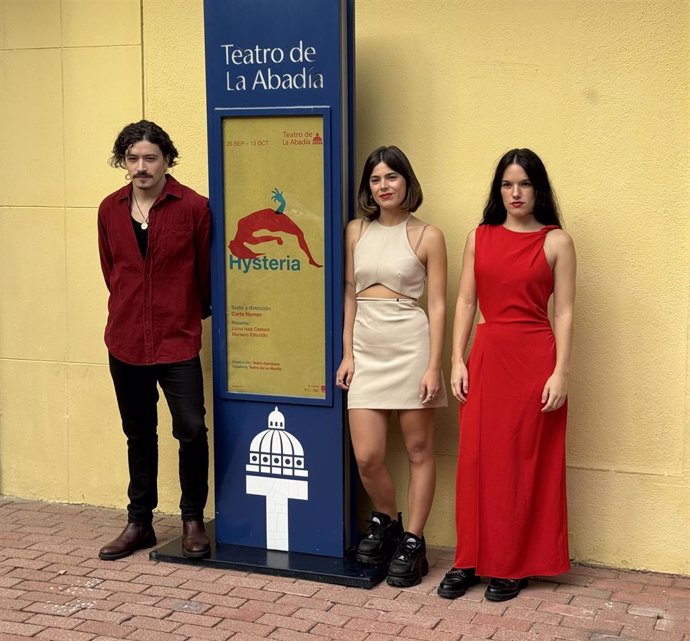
273	168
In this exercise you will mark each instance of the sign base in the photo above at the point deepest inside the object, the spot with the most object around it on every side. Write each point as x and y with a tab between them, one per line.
340	571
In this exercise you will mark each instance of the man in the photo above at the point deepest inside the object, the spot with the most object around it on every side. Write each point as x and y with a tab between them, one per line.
154	243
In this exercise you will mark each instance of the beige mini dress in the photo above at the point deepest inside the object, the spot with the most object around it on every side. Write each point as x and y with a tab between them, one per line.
391	335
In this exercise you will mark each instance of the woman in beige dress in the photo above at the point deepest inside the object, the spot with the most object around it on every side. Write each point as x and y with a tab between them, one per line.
392	355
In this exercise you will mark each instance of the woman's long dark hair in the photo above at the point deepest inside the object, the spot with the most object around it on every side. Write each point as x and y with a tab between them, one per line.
545	207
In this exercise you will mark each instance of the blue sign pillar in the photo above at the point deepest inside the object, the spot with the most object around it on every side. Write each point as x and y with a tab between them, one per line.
279	76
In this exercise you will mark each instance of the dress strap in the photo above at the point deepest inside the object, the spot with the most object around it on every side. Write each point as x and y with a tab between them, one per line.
361	228
419	240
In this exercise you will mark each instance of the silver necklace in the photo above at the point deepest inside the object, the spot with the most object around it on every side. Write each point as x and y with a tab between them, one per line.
145	223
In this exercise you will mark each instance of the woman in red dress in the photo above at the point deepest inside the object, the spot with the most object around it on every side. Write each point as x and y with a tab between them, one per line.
511	501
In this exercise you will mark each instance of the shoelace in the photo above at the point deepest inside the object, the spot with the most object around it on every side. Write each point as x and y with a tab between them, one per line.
407	548
375	529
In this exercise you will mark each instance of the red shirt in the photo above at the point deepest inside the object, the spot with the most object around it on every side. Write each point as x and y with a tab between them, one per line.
156	303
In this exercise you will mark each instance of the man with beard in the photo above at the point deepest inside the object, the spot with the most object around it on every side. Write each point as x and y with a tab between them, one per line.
154	243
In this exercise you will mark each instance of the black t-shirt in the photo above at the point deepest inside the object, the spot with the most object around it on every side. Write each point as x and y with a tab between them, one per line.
142	237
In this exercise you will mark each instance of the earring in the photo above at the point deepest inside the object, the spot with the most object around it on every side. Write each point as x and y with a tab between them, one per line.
128	177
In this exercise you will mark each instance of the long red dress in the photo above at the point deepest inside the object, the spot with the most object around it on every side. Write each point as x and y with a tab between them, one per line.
511	513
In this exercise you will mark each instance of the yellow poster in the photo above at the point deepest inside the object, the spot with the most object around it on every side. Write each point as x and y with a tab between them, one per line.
274	241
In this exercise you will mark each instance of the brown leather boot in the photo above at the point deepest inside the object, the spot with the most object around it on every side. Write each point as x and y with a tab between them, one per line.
195	543
134	537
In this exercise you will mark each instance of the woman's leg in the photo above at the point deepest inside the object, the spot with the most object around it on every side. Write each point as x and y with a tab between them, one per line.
418	433
409	563
368	432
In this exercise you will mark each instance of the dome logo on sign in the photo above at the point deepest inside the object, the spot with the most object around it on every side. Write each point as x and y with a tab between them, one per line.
276	470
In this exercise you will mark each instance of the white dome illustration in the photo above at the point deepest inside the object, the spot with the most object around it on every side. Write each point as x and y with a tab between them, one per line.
276	420
275	451
276	471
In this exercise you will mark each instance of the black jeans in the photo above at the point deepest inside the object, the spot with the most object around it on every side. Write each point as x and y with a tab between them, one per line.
137	398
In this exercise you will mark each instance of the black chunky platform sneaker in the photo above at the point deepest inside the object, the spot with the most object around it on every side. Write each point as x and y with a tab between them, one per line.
409	564
380	540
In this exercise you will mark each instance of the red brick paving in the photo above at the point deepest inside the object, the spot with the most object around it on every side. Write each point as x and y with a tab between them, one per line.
54	587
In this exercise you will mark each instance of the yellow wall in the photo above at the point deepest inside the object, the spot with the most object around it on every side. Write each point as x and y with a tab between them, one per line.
72	73
598	89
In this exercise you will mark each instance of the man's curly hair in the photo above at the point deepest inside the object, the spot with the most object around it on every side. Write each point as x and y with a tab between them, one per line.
142	130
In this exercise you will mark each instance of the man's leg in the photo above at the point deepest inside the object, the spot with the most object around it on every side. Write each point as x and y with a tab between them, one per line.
137	395
183	386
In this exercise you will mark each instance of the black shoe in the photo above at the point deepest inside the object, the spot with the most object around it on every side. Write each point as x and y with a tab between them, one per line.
380	539
504	589
456	582
409	563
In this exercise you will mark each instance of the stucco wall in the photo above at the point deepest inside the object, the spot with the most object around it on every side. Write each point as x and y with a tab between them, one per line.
598	89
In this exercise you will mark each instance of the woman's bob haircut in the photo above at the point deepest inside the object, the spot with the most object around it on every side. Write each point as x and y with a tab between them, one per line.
398	162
